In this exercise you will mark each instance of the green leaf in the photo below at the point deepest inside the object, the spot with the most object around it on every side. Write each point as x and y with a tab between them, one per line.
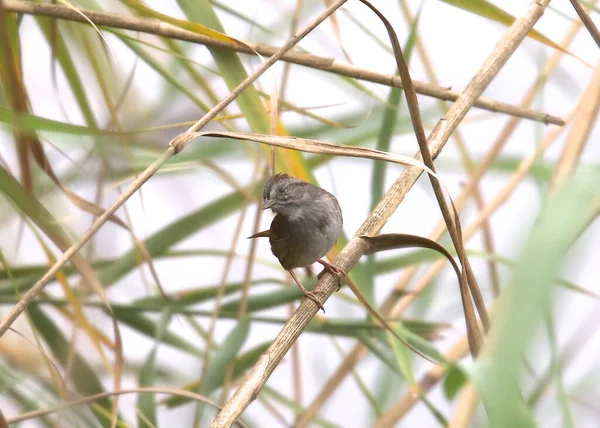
201	294
54	35
146	404
32	208
453	381
159	67
296	407
219	362
186	25
30	123
147	327
230	65
82	375
437	414
259	302
488	10
528	296
215	373
402	355
160	242
247	360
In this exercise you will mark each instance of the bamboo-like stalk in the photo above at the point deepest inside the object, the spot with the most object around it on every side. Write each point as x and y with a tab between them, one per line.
92	398
156	27
267	363
587	21
400	408
465	408
153	168
359	351
583	123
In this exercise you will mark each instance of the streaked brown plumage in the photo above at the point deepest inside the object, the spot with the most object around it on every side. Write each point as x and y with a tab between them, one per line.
307	224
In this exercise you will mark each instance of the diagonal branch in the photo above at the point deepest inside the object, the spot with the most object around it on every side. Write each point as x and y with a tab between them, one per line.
579	133
153	168
587	21
359	351
267	363
156	27
452	222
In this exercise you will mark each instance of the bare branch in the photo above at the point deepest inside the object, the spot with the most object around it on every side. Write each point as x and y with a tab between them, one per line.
359	351
267	363
587	21
578	137
91	398
154	26
151	170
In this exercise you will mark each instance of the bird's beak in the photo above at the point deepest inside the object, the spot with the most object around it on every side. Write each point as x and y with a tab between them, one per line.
267	204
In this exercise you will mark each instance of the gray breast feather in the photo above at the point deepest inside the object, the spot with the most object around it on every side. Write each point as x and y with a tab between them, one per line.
307	233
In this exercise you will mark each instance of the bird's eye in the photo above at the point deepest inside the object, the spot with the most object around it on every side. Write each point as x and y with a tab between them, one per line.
280	190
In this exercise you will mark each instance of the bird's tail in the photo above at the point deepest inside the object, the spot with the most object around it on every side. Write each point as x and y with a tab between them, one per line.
263	234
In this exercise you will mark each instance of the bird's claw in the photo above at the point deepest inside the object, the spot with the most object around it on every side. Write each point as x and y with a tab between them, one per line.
313	296
335	270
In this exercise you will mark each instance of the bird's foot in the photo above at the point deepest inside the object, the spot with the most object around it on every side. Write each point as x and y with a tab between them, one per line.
313	296
337	271
307	293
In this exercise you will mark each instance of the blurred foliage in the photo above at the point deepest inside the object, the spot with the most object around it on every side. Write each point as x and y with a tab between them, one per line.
118	99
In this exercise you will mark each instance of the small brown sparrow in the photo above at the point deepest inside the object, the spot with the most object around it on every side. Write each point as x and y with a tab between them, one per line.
307	224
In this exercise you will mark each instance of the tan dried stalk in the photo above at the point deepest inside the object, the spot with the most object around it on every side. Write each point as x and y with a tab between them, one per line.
152	169
587	21
156	27
398	410
465	408
578	137
488	242
359	351
91	398
259	374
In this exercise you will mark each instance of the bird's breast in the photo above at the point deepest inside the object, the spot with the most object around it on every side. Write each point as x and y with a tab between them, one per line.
301	242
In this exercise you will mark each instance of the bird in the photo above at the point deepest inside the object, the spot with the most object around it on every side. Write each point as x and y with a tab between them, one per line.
308	221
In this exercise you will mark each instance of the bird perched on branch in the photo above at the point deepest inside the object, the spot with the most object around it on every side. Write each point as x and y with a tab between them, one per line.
308	221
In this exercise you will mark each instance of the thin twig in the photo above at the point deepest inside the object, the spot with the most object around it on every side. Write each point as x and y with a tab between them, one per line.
458	351
154	26
462	148
259	374
583	123
359	351
91	398
151	170
587	21
452	221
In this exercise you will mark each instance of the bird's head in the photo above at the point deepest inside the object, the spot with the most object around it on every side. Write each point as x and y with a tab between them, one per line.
282	193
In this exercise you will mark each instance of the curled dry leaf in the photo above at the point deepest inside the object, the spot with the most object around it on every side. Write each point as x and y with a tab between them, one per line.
304	145
393	241
453	225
